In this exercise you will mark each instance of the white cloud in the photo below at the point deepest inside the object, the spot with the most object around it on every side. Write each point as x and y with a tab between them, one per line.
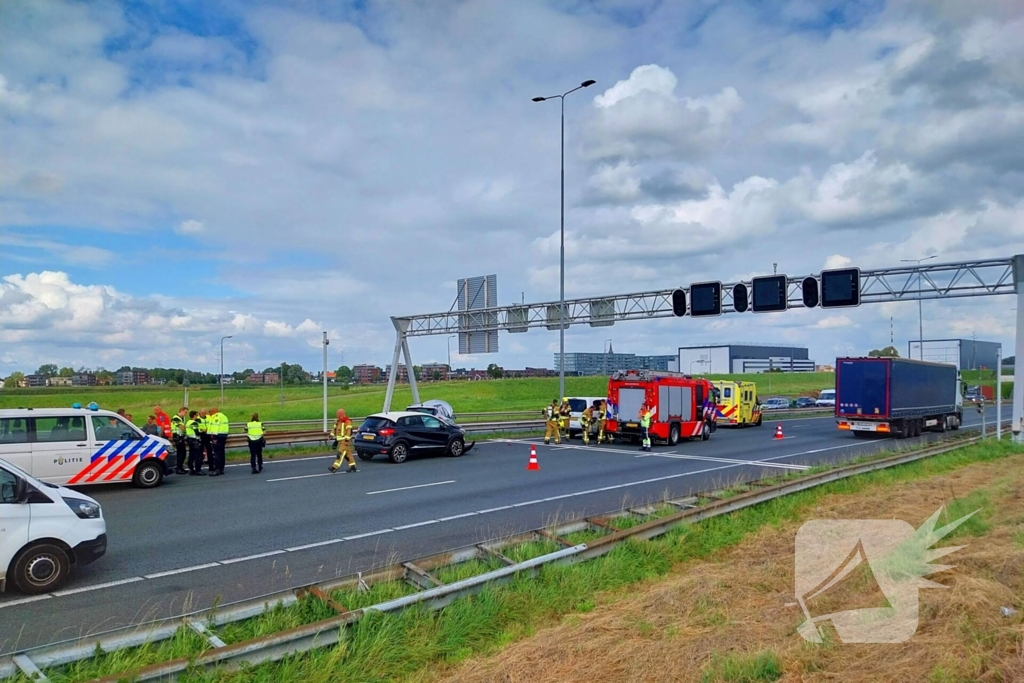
837	261
189	227
833	322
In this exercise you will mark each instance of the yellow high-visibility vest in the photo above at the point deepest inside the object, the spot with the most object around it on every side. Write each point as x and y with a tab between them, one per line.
254	430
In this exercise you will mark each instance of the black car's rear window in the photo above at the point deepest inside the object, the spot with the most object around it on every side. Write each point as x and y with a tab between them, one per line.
374	423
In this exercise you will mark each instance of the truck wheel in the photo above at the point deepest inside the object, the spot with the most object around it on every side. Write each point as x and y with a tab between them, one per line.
149	474
41	568
759	421
673	435
705	432
943	424
956	423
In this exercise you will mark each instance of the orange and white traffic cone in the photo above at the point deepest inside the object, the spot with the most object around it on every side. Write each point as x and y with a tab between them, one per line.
778	432
533	465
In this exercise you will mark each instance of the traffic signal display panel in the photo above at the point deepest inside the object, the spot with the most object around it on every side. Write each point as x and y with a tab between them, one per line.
706	299
840	288
810	291
770	294
679	302
740	299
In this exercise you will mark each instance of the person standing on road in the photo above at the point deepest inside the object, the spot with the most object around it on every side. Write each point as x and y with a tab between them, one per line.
343	433
586	420
551	422
602	420
195	453
564	416
645	427
218	427
205	444
163	422
178	436
150	427
254	430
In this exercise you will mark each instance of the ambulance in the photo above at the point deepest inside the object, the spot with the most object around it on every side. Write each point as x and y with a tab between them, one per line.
738	404
79	446
683	406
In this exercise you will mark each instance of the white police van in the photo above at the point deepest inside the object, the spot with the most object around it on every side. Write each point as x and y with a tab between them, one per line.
80	446
45	530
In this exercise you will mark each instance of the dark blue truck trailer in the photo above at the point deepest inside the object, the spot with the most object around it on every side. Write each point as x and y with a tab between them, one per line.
897	396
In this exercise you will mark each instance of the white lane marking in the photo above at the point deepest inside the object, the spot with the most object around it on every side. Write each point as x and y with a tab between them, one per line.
464	514
416	524
738	462
24	601
268	461
484	512
252	557
314	545
406	488
369	533
183	570
304	476
96	587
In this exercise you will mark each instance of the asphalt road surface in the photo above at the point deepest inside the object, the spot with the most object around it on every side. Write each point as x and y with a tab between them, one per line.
197	541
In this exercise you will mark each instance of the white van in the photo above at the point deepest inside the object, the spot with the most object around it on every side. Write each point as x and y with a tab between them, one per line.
45	530
826	398
577	404
79	446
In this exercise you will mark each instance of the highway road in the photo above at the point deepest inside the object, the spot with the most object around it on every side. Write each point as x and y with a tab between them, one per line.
197	541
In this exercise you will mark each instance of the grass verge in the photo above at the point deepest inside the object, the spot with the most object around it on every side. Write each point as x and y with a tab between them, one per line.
432	641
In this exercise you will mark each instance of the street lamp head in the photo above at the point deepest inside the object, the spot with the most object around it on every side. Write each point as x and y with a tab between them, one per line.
539	99
587	83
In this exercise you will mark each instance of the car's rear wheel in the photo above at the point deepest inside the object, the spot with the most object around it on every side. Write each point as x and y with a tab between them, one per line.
399	453
457	447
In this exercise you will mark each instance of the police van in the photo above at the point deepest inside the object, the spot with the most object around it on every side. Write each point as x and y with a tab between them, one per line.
80	446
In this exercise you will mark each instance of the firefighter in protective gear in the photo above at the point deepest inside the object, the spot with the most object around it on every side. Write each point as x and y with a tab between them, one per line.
601	414
343	433
586	420
645	427
564	415
195	453
178	436
551	422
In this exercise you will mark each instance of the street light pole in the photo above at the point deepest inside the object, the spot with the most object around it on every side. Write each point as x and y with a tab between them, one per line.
920	312
449	373
325	342
221	378
561	251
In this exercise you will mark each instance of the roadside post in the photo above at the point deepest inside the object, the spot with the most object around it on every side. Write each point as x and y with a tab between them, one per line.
981	409
999	393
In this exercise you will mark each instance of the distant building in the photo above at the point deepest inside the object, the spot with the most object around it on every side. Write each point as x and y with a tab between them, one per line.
403	374
965	354
35	381
271	377
131	377
824	368
429	370
83	379
366	374
58	382
582	364
741	358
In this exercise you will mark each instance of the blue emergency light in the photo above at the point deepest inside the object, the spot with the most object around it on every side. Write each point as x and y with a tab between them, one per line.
93	406
76	405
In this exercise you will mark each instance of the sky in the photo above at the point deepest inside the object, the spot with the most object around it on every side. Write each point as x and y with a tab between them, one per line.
175	172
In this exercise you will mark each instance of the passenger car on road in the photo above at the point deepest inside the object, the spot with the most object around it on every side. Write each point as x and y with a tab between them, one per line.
47	530
435	407
402	433
805	402
776	403
577	404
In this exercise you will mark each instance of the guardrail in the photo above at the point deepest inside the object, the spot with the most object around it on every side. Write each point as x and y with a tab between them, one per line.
430	592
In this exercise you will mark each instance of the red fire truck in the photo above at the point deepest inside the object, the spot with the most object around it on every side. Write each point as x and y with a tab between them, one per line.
684	406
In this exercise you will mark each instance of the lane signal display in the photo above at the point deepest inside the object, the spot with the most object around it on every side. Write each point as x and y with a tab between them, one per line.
810	291
705	299
840	288
740	301
770	294
679	302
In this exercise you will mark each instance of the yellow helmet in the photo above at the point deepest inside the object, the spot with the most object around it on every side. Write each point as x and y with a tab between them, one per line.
565	400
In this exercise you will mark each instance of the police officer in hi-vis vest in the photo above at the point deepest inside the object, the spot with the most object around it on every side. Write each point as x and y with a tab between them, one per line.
195	453
254	431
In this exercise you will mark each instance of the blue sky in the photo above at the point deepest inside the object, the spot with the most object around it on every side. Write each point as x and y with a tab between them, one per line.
173	172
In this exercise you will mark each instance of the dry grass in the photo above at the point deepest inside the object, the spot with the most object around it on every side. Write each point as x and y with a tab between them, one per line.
713	620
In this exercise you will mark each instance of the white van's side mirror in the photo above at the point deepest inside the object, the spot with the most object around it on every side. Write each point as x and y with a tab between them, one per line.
21	491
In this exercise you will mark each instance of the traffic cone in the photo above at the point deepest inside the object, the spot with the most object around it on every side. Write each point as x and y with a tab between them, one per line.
534	465
778	432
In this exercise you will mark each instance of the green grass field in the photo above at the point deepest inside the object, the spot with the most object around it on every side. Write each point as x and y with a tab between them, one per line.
305	402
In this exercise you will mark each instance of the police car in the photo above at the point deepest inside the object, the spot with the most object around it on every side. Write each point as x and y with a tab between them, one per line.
79	446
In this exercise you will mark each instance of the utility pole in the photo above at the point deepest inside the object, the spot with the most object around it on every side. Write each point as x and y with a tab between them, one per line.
282	383
999	393
326	342
221	378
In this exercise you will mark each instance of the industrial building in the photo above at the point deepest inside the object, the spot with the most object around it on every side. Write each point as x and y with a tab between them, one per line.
966	354
741	358
582	364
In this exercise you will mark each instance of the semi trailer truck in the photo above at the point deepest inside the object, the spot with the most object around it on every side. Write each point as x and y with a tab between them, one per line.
897	396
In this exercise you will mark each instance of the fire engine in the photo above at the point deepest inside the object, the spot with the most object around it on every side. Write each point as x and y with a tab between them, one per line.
684	407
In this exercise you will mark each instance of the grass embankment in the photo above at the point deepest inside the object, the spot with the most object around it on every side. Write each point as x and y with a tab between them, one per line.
704	602
305	402
987	378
